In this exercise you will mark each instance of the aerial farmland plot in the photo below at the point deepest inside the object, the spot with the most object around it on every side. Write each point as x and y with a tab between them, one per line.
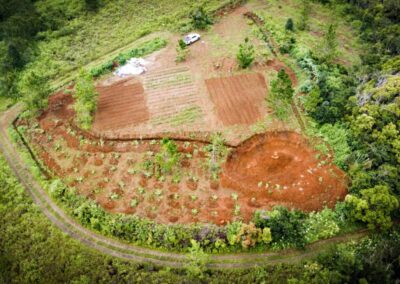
222	135
205	94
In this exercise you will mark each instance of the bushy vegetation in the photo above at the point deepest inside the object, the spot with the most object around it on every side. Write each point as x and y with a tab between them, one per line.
246	54
200	18
281	95
85	96
35	90
168	158
287	226
182	51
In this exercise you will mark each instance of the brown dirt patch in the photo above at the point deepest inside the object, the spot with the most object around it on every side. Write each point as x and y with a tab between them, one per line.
120	104
238	99
280	168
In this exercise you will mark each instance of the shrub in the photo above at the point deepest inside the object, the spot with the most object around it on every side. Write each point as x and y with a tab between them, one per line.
200	19
374	206
182	51
288	45
198	260
246	53
287	227
289	26
330	46
85	99
275	98
281	87
249	235
35	89
321	225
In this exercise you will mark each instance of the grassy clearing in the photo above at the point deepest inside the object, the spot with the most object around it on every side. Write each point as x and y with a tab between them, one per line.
276	13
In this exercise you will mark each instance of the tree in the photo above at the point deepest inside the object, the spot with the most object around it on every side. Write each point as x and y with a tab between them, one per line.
200	18
289	26
282	86
85	99
246	54
35	90
330	44
374	206
304	15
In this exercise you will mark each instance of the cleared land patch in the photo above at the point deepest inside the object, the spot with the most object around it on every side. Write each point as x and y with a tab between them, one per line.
238	99
267	170
120	104
281	169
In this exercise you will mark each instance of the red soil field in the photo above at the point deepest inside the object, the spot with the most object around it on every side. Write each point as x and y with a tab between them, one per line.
238	99
280	168
120	104
103	172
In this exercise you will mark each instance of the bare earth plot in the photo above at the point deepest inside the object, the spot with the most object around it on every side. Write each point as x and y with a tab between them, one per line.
238	99
120	104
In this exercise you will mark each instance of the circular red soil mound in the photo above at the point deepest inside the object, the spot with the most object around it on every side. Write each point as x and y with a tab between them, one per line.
280	168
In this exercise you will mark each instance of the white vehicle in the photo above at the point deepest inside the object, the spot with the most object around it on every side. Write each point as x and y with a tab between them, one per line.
191	38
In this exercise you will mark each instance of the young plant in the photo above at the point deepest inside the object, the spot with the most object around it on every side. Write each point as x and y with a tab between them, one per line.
217	153
168	157
134	202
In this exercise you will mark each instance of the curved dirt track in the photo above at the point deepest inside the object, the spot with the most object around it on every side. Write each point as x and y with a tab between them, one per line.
122	250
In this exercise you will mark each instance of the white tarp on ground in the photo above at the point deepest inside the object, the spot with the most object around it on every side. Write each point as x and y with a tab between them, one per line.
134	66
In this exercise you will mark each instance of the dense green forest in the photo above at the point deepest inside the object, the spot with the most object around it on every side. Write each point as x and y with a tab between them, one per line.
44	40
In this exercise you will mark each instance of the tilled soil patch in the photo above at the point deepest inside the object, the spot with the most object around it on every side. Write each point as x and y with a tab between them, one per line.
120	104
238	99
